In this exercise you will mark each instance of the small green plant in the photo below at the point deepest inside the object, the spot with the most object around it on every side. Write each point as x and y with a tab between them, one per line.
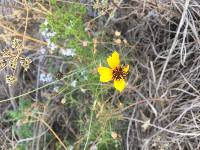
22	124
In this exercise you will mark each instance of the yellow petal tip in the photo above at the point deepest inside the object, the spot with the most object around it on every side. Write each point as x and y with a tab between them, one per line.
113	60
126	68
119	85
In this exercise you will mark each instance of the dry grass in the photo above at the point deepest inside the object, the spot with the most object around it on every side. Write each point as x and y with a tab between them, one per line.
165	35
161	45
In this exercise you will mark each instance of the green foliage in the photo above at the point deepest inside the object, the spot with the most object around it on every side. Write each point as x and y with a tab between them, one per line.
23	130
68	24
20	114
53	2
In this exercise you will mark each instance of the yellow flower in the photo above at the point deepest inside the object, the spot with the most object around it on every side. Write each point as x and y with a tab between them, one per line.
116	72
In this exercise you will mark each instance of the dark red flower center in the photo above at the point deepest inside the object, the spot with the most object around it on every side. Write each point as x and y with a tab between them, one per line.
119	73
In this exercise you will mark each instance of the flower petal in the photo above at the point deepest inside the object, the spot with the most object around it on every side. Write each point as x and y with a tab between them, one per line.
119	84
105	74
113	60
126	68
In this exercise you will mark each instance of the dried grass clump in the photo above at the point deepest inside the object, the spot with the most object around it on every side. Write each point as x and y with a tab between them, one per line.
165	39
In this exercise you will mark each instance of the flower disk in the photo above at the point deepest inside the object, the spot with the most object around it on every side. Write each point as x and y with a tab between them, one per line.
118	73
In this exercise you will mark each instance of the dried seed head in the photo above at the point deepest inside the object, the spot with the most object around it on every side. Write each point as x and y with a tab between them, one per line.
10	57
117	33
13	63
25	62
10	80
85	43
2	64
117	41
17	44
63	101
125	41
114	135
7	53
59	75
